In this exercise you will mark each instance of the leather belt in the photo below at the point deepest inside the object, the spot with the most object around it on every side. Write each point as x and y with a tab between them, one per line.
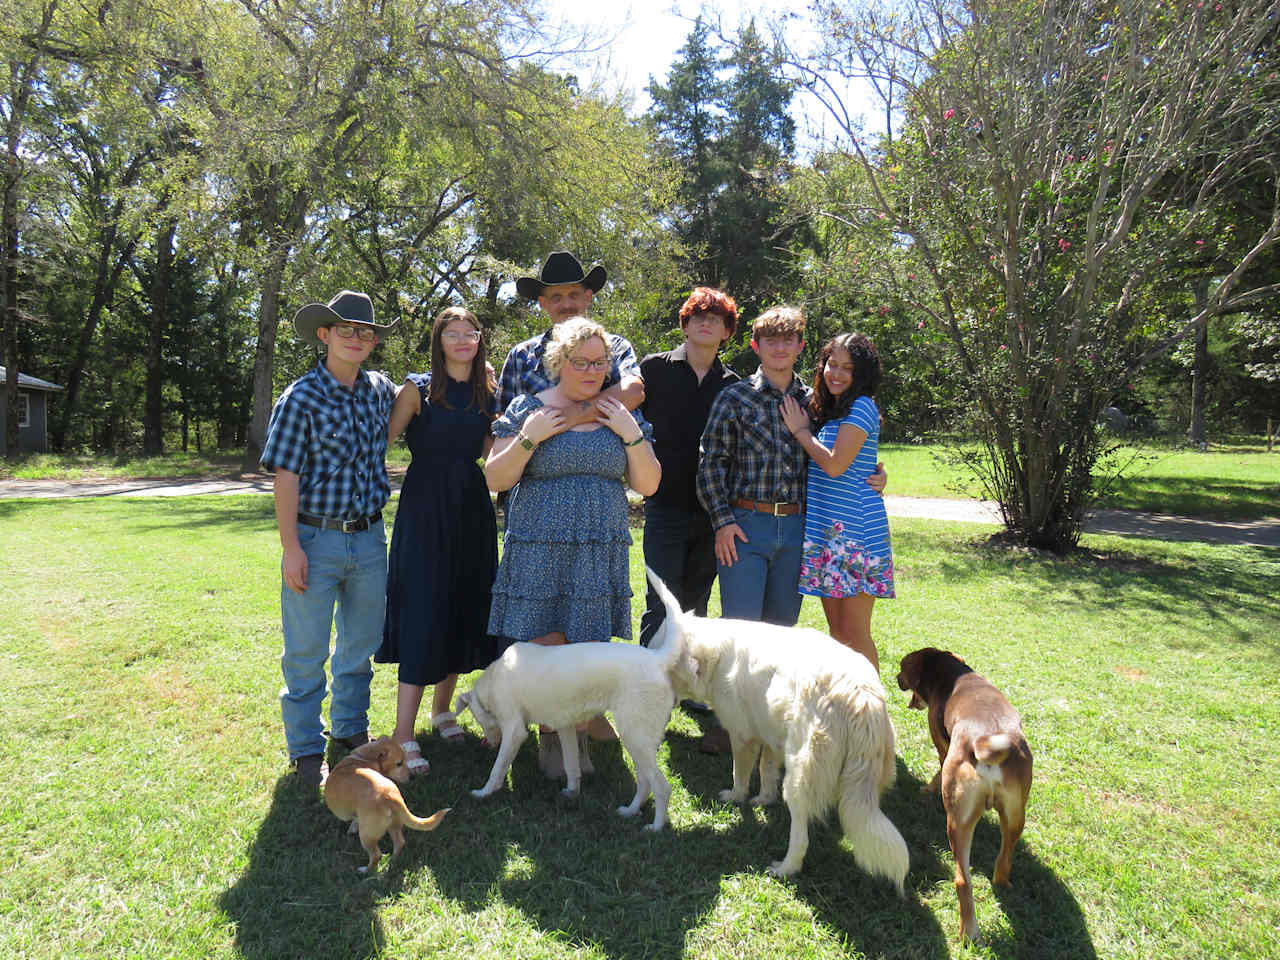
764	506
359	525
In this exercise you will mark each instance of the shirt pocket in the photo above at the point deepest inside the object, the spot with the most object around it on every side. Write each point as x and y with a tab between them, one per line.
757	435
333	443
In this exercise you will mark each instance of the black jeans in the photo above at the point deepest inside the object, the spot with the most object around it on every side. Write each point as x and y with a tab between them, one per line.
679	546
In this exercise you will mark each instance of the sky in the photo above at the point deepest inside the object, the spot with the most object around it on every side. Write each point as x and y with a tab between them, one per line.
643	38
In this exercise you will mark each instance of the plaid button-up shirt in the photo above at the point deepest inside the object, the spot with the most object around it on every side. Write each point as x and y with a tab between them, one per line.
523	371
335	440
748	452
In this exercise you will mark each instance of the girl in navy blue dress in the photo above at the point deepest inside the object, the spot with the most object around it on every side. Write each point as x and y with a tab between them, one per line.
847	561
444	547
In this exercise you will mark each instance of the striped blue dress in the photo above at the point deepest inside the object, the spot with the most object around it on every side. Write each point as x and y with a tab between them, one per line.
846	529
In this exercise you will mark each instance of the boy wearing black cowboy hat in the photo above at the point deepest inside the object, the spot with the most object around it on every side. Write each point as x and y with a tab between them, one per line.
326	445
563	290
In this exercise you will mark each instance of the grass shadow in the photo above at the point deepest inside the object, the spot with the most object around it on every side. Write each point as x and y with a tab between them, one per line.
300	895
1205	497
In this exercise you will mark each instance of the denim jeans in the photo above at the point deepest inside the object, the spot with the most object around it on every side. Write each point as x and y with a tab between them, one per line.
762	584
347	571
679	546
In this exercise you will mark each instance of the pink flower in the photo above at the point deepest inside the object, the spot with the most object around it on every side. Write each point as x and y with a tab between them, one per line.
1199	243
1004	346
920	325
884	308
947	115
1064	243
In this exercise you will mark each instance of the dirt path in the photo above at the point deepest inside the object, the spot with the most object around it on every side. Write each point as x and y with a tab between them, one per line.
1128	523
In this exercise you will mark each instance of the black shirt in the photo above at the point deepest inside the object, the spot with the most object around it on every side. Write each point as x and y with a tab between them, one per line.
678	405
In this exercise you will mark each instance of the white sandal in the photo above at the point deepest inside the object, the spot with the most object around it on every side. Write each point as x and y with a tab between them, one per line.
446	724
417	765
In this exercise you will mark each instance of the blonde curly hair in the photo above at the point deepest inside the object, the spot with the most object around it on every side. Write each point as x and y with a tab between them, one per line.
567	337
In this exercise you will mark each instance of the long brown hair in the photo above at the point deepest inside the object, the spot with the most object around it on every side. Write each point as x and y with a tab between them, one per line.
483	384
824	407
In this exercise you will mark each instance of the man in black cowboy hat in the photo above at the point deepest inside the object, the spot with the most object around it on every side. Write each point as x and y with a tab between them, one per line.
327	445
563	290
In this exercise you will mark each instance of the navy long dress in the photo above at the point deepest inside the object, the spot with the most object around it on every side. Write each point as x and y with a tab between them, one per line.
444	546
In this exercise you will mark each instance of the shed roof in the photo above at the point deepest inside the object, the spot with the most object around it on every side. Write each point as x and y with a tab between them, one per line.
31	383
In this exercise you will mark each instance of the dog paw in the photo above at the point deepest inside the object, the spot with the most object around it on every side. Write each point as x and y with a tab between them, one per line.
569	794
763	800
654	827
730	796
779	868
480	794
627	812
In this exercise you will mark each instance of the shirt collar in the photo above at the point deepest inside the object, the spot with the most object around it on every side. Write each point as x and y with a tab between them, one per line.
762	383
334	386
681	353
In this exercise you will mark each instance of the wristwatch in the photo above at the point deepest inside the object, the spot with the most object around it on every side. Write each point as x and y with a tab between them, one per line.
524	441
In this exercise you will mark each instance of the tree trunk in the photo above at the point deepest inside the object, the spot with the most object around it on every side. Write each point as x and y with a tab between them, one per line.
153	418
9	307
106	279
1195	432
264	360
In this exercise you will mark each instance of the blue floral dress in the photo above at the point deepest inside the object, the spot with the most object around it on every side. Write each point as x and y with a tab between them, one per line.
846	529
566	551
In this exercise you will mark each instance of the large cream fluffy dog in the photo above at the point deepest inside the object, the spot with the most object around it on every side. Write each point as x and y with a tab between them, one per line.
797	697
566	685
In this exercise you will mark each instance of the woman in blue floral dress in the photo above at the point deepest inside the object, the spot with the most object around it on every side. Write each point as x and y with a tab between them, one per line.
847	557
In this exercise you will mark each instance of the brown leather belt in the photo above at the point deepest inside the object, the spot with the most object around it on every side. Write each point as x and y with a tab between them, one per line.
764	506
359	525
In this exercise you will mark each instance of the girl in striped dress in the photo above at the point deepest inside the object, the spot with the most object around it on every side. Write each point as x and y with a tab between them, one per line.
847	559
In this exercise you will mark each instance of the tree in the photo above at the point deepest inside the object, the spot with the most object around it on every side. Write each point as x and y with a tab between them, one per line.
1027	190
731	139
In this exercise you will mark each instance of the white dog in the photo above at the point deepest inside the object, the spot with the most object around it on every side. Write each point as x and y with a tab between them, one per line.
795	696
565	685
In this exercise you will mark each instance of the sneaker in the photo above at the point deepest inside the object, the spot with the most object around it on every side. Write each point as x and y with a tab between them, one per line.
311	769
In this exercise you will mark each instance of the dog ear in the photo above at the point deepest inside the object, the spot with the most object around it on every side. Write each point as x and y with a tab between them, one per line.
909	671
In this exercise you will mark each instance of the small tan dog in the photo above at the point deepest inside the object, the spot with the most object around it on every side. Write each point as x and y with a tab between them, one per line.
985	761
358	789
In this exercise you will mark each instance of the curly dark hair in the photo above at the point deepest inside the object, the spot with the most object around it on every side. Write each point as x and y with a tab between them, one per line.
866	377
483	383
710	300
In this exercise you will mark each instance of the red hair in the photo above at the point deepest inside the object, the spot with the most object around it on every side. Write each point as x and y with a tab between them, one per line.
710	300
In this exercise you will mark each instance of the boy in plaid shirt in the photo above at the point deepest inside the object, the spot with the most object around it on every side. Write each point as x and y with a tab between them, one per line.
326	445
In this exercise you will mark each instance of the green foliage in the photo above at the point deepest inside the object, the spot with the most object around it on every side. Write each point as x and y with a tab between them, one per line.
723	121
1048	161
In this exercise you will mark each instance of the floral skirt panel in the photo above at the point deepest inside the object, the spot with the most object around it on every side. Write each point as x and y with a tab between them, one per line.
840	566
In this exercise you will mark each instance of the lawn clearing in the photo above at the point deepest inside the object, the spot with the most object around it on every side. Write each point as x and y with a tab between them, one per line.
1235	481
148	811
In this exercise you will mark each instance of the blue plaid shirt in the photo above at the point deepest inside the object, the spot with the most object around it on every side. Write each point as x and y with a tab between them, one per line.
523	372
335	440
747	451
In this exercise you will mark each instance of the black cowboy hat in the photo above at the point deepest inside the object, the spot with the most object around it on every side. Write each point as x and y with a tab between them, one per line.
561	267
348	306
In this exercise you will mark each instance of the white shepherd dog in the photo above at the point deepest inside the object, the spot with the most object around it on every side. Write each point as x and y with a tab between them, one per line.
795	697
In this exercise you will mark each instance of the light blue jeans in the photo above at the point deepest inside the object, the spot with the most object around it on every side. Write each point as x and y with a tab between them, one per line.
347	571
762	584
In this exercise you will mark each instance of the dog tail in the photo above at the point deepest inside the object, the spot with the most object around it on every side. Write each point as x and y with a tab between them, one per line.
406	818
868	770
672	633
992	748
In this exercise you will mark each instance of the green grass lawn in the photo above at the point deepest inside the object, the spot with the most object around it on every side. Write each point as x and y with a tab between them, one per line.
1236	481
148	811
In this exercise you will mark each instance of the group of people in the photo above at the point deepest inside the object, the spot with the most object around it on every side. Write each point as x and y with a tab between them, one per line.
767	483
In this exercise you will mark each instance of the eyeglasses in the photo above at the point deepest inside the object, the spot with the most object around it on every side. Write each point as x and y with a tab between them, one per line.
460	336
347	330
583	365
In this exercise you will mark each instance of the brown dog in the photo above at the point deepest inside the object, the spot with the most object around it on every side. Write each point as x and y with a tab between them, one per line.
985	760
358	790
